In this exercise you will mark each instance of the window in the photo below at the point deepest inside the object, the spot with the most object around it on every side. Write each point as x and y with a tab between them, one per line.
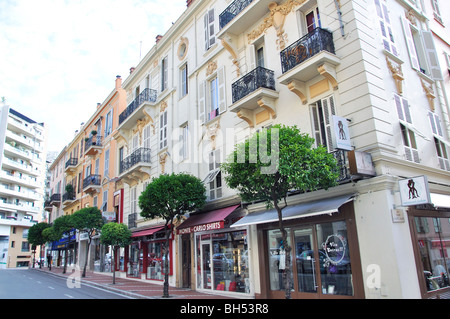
25	246
313	20
106	164
421	49
385	26
212	100
209	22
164	74
409	141
436	11
147	132
442	154
105	201
260	57
163	130
213	109
109	123
214	178
322	112
184	145
183	81
133	200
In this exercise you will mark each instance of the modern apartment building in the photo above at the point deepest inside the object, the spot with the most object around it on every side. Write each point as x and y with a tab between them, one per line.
224	71
22	175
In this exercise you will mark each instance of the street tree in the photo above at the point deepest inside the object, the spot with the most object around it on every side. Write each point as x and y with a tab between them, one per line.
295	165
36	238
170	197
90	221
63	226
50	235
115	235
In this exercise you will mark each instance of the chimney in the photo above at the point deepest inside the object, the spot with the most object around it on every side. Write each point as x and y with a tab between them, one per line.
98	105
158	37
189	2
118	82
132	69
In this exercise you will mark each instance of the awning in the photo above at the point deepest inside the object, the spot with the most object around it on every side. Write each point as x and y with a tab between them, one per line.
319	207
147	232
206	221
440	200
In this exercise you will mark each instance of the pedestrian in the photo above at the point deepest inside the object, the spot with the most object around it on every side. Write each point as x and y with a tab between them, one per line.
49	262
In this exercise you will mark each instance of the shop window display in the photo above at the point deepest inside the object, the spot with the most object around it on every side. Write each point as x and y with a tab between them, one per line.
433	238
320	259
222	262
155	261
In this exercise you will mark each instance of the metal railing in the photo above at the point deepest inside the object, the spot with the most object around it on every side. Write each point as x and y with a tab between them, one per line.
140	155
255	79
232	10
92	180
148	95
343	166
306	47
68	196
72	162
94	140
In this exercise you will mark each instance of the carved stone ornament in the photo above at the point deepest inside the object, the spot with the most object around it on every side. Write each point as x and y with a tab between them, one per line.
163	106
429	93
212	66
140	124
276	19
212	131
397	74
227	45
162	161
411	17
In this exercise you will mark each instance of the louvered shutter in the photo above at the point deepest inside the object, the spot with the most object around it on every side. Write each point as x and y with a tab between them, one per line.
432	56
202	101
410	44
222	89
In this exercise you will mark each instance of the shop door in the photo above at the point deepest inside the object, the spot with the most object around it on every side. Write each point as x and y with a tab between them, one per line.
186	260
205	265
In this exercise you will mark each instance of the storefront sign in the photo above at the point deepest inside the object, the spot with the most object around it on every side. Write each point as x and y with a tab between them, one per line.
414	191
341	133
334	248
204	227
109	216
360	163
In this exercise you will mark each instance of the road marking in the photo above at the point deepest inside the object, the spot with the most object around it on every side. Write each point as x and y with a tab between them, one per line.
38	282
51	287
69	296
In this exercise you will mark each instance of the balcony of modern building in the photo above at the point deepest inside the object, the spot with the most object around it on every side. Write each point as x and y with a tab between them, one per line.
242	14
310	56
135	167
92	184
25	128
13	177
254	92
19	192
136	109
93	145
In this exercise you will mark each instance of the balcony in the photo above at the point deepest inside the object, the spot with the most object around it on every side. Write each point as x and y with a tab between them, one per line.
93	145
242	14
134	110
308	57
92	184
71	165
253	91
55	200
136	167
68	198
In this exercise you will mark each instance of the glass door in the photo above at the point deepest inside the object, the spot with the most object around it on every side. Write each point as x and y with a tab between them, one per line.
305	261
205	264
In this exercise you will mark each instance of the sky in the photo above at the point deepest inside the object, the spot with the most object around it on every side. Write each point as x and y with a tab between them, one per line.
59	58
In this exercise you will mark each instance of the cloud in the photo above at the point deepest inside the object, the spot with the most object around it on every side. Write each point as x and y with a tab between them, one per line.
59	58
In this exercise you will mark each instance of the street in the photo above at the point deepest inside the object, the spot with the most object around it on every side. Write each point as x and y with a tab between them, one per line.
31	284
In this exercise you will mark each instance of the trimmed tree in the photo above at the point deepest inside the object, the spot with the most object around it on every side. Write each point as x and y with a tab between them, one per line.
63	225
89	220
115	235
271	164
169	197
36	238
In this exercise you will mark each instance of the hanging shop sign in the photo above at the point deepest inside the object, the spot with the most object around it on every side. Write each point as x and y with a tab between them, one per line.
360	163
414	191
341	133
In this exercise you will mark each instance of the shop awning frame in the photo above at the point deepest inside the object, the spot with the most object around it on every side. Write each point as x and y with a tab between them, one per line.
147	232
308	209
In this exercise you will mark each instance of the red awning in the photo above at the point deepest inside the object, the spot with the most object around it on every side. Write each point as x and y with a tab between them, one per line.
206	221
147	232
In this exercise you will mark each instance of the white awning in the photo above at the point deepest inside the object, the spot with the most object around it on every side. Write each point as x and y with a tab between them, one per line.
440	200
308	209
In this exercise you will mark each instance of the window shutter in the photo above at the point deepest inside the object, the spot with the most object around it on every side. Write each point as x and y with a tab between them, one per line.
252	61
206	26
410	44
386	29
201	101
316	127
329	111
432	56
222	95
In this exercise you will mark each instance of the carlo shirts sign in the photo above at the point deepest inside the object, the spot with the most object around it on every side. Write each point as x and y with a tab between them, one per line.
414	191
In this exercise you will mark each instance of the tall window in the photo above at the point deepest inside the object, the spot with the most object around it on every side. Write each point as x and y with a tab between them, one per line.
322	112
106	164
184	81
214	177
184	146
109	123
133	200
313	20
209	22
163	130
213	98
385	26
436	11
407	129
260	57
164	74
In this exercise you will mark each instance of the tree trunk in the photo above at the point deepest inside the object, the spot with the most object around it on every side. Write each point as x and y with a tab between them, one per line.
65	260
166	261
114	264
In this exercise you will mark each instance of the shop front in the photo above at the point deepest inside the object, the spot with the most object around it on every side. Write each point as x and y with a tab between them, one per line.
221	253
325	259
146	254
430	231
65	248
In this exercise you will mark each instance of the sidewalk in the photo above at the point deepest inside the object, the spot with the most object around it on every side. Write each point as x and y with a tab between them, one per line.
137	289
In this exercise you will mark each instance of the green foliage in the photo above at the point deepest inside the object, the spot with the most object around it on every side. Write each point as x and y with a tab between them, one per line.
297	166
50	235
115	234
62	225
170	196
35	234
87	219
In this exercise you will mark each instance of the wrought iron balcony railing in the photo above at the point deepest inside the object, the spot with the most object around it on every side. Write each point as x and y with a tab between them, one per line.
72	162
140	155
148	95
92	180
94	140
306	47
68	196
342	163
255	79
232	10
